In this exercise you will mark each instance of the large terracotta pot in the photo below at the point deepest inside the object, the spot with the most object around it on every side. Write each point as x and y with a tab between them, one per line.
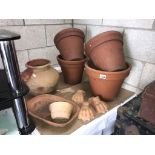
70	43
107	85
72	70
106	51
40	77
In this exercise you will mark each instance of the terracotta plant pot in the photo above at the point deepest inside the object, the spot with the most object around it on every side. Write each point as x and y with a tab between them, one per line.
61	111
72	70
106	51
40	77
70	43
105	84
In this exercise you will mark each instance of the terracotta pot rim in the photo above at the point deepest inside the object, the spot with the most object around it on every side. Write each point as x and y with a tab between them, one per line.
95	71
68	32
102	38
38	63
73	62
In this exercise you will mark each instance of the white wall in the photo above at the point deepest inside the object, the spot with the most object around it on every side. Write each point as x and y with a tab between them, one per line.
139	42
36	38
139	45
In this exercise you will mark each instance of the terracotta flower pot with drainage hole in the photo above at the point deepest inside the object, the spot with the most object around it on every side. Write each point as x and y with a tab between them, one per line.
107	85
106	51
40	77
72	70
70	43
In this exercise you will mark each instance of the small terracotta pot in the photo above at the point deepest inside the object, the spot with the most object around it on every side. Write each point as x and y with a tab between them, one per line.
70	43
106	51
72	70
105	84
40	77
61	111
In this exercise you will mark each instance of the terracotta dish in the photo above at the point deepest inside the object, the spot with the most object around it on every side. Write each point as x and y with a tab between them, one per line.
38	107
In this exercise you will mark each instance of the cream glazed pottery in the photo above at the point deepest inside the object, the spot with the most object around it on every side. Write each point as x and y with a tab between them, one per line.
60	111
40	77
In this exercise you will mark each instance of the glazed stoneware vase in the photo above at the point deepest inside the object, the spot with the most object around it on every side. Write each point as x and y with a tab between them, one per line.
106	51
40	77
70	43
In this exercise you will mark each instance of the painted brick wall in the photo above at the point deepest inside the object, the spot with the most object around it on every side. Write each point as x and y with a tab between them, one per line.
36	38
139	42
139	45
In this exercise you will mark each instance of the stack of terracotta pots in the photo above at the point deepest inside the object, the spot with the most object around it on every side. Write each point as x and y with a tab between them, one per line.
106	68
70	43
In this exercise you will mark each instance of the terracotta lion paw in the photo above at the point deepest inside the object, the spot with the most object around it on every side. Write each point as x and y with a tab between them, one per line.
86	113
99	106
79	96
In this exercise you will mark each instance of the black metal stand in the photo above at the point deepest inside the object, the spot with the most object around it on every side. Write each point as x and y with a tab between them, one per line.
6	98
12	89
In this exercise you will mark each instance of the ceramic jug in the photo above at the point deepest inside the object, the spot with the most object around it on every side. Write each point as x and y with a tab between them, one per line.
40	77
